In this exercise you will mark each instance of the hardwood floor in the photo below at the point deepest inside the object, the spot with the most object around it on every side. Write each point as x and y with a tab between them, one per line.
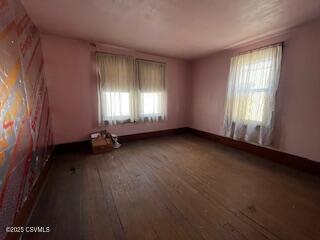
176	187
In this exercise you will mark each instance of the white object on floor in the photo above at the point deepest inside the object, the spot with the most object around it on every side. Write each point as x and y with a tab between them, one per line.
115	141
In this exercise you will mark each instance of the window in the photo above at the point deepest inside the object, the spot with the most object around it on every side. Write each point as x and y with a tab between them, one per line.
151	105
253	81
254	92
151	81
117	104
130	90
116	88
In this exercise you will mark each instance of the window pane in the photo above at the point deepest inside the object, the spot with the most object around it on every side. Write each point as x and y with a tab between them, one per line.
255	107
249	107
151	103
117	104
259	74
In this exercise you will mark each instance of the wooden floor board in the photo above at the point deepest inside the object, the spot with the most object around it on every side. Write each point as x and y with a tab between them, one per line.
227	220
176	187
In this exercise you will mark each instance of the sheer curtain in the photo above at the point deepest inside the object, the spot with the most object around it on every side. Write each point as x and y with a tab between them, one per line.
152	105
116	78
252	86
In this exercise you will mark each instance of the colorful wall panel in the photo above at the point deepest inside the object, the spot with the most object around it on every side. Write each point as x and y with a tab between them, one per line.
25	132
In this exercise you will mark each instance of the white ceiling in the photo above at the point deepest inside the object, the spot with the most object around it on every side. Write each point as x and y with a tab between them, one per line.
177	28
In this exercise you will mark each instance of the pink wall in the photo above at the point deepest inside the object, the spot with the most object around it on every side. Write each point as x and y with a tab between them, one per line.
298	98
73	93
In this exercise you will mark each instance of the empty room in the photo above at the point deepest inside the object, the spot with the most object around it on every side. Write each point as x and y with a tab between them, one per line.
160	119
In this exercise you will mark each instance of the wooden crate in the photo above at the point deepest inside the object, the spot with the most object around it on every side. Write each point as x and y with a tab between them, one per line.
101	145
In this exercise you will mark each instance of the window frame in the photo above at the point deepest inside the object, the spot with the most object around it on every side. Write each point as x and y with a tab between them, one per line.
134	100
119	117
250	90
157	114
163	112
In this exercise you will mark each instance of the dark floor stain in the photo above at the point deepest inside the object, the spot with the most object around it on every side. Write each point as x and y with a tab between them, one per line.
252	208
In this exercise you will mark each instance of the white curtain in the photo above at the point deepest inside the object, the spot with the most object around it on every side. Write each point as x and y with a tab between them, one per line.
151	90
252	86
116	88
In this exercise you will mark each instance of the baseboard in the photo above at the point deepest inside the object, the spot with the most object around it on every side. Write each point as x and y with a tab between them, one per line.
145	135
287	159
81	146
85	147
23	215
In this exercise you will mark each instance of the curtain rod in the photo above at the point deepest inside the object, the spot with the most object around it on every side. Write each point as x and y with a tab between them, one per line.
122	55
142	59
113	54
260	48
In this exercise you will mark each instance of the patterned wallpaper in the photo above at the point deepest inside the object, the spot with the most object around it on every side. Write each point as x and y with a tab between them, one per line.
25	132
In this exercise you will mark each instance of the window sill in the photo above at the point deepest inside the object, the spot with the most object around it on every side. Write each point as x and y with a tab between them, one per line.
246	122
128	121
